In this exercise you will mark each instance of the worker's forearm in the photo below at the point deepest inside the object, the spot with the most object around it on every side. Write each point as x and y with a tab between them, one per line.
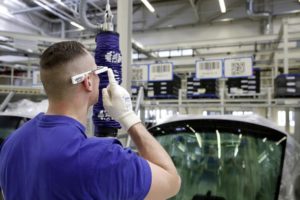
150	149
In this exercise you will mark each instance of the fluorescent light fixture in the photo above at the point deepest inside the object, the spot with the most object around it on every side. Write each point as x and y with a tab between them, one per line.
262	157
61	3
226	20
219	144
13	3
281	140
264	140
4	11
199	139
2	38
77	25
198	136
148	5
42	5
7	48
139	45
222	6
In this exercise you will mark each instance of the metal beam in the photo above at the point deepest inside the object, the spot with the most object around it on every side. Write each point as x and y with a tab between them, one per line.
166	18
275	45
95	5
136	9
195	9
19	53
285	47
124	28
6	101
222	42
140	50
230	8
54	10
26	10
31	37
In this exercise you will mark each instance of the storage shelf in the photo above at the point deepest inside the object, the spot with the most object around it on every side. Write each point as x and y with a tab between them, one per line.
33	90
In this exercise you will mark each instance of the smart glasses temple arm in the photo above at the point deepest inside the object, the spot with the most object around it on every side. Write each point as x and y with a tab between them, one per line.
80	77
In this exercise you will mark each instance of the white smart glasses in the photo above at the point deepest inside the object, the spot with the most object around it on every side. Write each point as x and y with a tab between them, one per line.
80	77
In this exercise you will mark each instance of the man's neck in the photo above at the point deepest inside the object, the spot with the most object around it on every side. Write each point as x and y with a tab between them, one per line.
71	110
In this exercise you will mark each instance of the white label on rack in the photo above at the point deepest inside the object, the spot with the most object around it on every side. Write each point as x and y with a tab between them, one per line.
201	91
139	73
251	82
291	83
36	78
238	67
134	90
291	90
161	72
290	78
150	93
209	69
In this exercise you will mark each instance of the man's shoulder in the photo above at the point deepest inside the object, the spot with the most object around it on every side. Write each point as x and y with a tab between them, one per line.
100	143
98	152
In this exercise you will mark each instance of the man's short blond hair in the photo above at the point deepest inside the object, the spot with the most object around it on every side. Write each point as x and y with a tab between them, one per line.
55	67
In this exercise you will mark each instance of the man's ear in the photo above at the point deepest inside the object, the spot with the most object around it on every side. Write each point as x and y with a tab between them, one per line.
87	83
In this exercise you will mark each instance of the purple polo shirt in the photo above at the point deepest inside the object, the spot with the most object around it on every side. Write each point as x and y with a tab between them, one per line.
50	157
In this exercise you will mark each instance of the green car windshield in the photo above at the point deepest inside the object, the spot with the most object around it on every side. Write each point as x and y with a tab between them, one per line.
217	161
8	124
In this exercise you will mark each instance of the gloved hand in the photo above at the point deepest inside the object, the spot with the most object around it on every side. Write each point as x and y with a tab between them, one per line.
117	103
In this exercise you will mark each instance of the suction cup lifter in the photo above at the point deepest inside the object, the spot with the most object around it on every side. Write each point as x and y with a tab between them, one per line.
108	19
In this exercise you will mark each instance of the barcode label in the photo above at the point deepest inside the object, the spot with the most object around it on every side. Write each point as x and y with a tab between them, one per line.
210	66
160	68
36	78
161	72
140	73
238	67
209	69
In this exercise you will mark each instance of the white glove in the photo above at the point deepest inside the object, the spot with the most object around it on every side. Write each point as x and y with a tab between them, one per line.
117	103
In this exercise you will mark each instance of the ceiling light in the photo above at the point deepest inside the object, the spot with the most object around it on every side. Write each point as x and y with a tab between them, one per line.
139	45
219	144
2	38
222	6
148	5
42	5
77	25
7	48
4	10
13	3
61	3
226	20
